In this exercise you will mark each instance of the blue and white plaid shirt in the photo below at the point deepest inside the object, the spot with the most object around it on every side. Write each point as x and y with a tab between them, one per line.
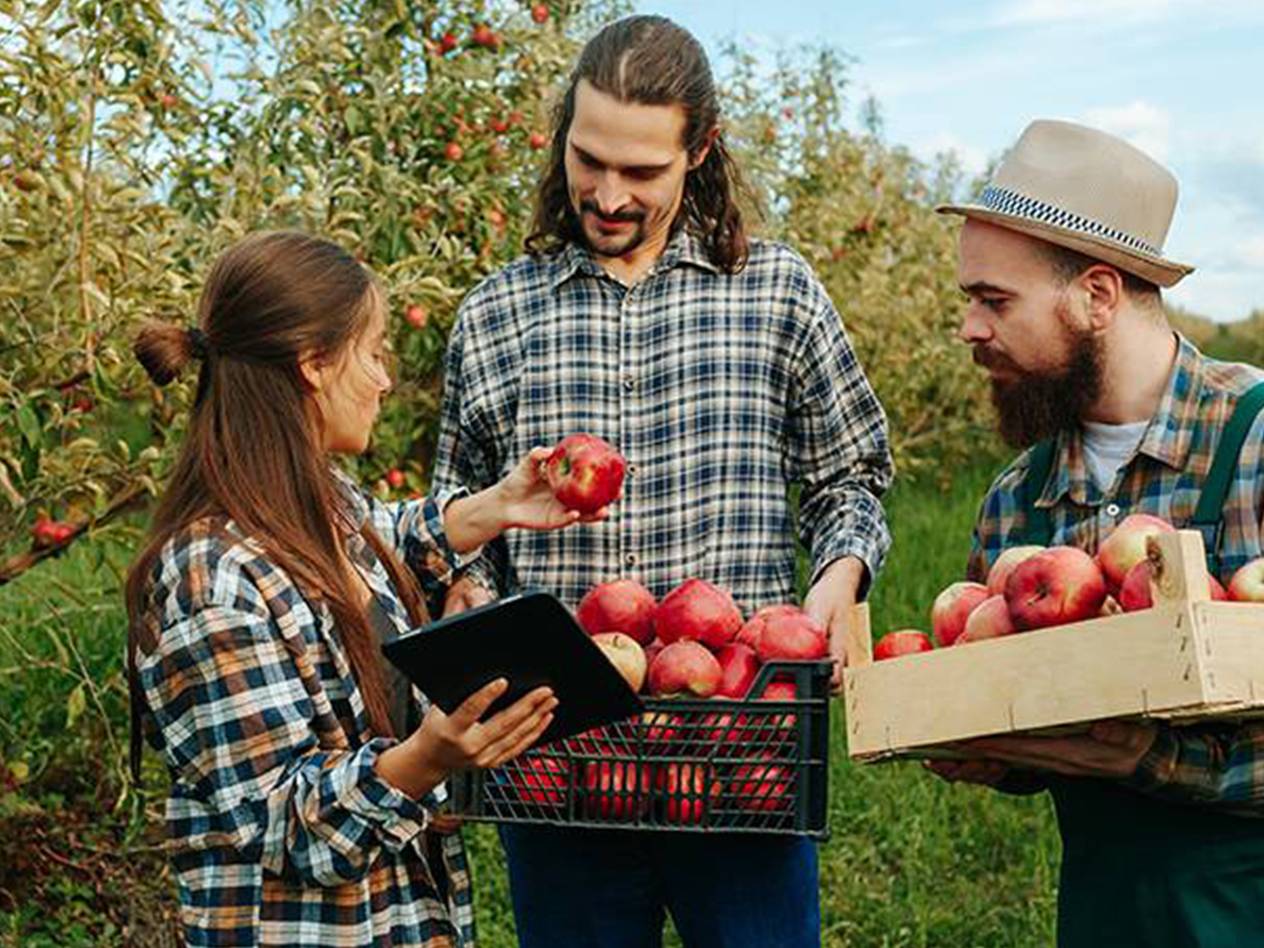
721	390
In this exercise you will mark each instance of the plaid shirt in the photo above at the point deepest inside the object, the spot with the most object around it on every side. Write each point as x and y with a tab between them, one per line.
281	832
1207	764
719	389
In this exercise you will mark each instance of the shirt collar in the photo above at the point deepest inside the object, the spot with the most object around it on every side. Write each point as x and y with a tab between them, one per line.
1167	438
683	248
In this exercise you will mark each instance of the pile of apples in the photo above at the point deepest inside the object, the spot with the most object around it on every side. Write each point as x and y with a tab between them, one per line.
694	644
1034	587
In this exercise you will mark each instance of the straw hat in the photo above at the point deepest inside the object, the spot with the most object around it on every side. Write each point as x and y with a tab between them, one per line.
1083	189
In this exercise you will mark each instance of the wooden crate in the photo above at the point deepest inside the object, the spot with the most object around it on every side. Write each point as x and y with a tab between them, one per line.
1186	659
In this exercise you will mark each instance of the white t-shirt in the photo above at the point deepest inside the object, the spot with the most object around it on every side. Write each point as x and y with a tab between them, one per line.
1107	448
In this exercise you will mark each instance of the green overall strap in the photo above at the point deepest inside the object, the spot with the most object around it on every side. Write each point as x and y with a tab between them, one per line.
1208	515
1039	526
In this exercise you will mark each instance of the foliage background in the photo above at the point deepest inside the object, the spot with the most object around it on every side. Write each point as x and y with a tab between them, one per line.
139	139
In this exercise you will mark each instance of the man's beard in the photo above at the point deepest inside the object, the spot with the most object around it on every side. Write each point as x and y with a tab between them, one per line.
1033	406
611	245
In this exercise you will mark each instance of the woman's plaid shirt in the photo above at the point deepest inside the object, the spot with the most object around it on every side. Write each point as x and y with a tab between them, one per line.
1212	765
281	832
721	390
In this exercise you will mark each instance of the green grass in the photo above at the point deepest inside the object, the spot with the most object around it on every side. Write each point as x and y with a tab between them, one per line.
911	861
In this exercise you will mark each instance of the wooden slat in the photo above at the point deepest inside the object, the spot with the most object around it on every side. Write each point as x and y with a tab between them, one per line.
859	640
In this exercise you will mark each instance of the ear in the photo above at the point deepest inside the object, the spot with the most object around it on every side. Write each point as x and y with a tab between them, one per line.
701	154
1103	287
313	371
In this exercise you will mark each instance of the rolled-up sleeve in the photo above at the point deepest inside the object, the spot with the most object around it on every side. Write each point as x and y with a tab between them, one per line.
1213	765
237	727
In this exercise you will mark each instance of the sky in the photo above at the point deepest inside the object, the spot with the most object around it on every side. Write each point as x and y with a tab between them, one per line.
1181	80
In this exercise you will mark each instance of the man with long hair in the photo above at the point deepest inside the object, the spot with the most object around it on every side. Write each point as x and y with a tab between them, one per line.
645	314
1061	257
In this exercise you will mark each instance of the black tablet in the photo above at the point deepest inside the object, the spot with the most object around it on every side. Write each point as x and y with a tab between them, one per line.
529	639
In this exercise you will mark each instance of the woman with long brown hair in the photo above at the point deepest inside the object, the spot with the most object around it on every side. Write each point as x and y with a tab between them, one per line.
306	775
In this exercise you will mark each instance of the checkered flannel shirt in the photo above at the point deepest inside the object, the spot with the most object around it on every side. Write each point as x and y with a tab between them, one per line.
281	832
1216	765
719	389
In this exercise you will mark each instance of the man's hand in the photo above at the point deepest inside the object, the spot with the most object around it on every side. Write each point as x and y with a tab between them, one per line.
986	772
465	593
829	602
1111	749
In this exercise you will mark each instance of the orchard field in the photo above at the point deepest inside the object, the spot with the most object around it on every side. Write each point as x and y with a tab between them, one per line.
138	139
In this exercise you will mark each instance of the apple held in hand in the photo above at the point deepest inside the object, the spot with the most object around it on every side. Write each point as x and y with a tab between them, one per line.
901	642
1056	587
584	472
623	605
952	607
1126	545
700	611
685	668
625	654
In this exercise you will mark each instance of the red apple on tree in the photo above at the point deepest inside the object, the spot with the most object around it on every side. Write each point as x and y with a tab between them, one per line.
625	654
453	151
537	141
540	13
448	42
485	37
685	668
416	316
951	608
622	605
697	610
1061	585
1247	584
395	477
585	472
1126	545
901	642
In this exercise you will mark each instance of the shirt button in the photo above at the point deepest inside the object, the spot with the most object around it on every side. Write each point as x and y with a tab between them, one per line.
631	468
1112	510
629	383
630	559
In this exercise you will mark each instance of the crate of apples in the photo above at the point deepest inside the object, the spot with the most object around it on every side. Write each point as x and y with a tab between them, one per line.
1056	638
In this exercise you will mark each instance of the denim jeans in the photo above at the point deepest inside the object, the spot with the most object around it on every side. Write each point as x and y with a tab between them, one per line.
576	888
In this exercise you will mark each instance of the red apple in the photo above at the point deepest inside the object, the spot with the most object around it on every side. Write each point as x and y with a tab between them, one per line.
453	151
448	42
901	642
685	667
988	620
540	13
793	638
697	610
395	477
1063	584
750	632
761	786
541	780
625	654
652	650
622	605
660	729
485	37
1126	545
537	141
1005	564
585	472
1247	584
417	316
616	789
951	607
738	666
773	728
688	789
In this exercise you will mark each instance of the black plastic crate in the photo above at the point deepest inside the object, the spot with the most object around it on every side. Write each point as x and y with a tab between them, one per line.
757	765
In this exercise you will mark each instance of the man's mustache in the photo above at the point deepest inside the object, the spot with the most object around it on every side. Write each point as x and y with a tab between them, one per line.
990	359
588	207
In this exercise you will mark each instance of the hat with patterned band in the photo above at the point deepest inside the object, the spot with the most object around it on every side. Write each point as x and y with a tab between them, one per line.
1083	189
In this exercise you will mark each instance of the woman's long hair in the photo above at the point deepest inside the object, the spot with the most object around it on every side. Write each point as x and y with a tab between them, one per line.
652	61
252	452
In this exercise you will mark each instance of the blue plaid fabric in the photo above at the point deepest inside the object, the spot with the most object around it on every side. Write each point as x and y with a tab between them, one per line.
280	831
1165	477
719	389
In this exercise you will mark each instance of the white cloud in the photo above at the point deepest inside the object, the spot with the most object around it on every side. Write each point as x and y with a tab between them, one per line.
974	160
1140	123
1249	253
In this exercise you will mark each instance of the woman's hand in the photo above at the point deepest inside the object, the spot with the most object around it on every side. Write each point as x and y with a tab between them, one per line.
446	743
522	498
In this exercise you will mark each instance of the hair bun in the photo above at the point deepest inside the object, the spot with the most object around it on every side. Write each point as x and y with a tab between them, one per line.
165	349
